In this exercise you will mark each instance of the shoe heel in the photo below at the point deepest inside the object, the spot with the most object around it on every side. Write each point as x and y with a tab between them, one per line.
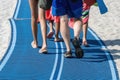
76	43
79	53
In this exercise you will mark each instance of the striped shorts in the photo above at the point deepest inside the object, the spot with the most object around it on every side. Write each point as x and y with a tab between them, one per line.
85	13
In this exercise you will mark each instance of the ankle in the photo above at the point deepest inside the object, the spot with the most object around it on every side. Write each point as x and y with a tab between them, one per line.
76	38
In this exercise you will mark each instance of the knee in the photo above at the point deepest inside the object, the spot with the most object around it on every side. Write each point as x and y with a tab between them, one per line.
64	19
41	17
34	18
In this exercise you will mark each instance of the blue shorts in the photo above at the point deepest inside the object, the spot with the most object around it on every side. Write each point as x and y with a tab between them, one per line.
73	8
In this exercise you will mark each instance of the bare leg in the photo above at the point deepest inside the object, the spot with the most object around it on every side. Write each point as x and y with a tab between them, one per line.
77	28
51	26
64	29
84	40
43	29
34	15
51	32
57	30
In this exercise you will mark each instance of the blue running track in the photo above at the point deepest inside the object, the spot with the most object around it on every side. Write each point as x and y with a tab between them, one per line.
22	62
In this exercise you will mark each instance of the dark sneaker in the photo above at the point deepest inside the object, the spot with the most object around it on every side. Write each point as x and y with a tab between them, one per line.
76	43
79	53
68	54
78	50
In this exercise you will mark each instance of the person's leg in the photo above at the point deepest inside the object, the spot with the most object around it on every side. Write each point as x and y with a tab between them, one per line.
57	30
34	14
64	29
77	28
85	18
51	32
43	30
59	9
76	43
84	39
51	26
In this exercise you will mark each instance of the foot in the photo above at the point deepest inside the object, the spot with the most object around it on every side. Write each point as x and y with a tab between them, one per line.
79	53
34	45
50	34
43	50
57	40
84	43
76	43
78	49
68	54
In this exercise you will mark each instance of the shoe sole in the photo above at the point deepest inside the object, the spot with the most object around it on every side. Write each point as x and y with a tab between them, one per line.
78	51
67	56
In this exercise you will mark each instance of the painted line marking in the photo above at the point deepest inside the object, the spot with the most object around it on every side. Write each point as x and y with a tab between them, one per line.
114	77
12	46
62	61
55	63
13	38
17	9
57	69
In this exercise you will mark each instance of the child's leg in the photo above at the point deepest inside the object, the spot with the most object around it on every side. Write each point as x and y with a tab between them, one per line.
51	26
43	29
85	18
34	15
57	30
84	39
51	32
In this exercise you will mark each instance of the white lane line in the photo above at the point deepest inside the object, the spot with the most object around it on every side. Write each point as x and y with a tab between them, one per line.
113	73
13	38
62	61
56	60
17	9
11	47
55	63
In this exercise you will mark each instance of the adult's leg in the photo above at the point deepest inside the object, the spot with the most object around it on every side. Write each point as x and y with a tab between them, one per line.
76	43
64	29
77	28
34	14
43	29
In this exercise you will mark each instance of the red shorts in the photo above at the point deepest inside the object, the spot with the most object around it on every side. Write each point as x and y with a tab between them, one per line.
50	17
89	2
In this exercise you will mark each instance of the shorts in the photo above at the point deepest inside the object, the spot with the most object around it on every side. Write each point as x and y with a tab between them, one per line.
50	17
85	15
45	4
86	9
89	2
73	8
